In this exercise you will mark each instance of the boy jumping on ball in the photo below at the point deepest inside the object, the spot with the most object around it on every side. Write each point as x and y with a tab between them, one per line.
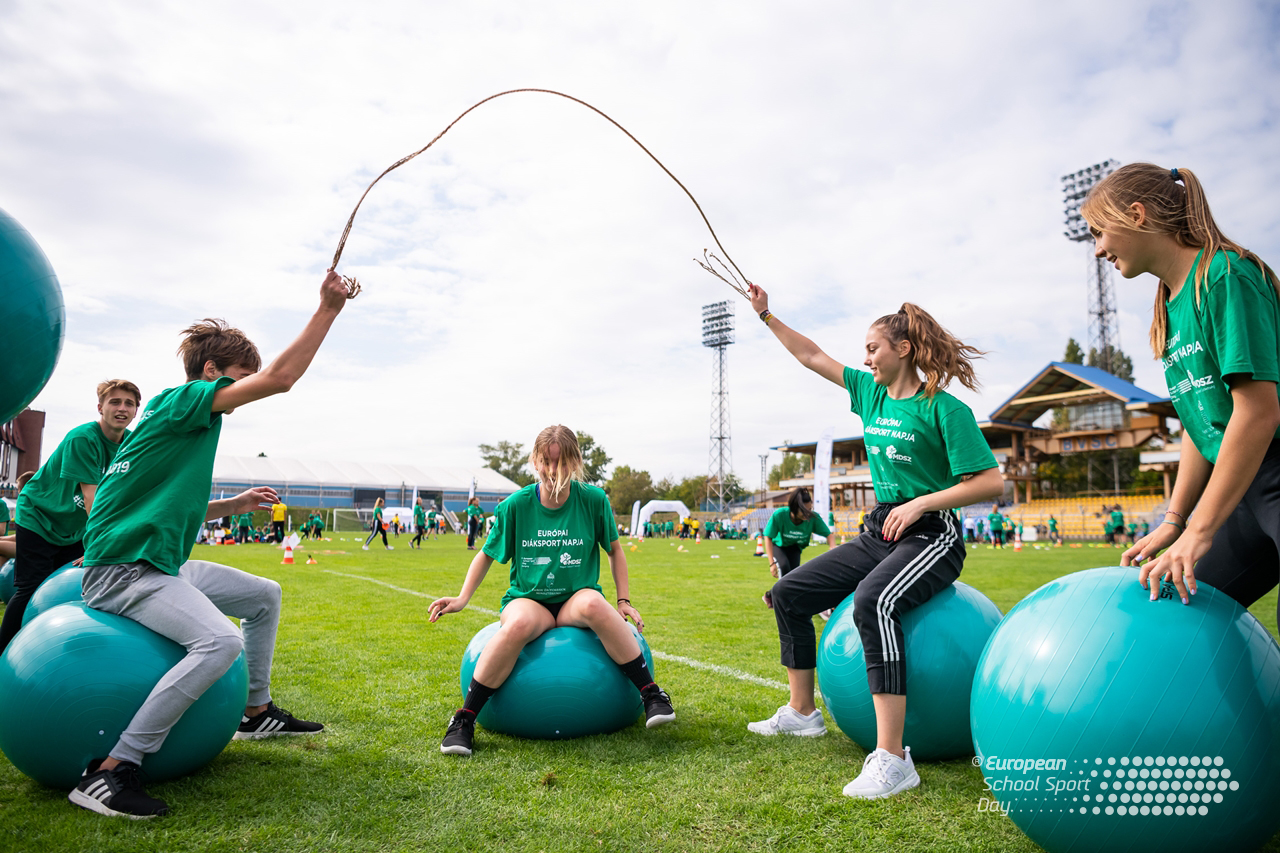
149	505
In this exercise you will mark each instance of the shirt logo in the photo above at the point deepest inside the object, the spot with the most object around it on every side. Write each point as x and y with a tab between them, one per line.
542	561
892	453
873	450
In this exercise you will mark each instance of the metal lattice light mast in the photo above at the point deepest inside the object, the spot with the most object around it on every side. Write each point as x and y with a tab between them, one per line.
1104	331
717	333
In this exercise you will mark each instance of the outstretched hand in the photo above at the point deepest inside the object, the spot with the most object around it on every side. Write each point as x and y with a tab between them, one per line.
759	299
255	498
630	613
441	606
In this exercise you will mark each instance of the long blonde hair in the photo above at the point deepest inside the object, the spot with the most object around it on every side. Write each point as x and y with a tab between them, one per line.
1175	205
570	466
937	353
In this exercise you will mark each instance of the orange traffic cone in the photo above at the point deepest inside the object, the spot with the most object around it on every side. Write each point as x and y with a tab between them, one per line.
760	545
288	556
312	561
1017	542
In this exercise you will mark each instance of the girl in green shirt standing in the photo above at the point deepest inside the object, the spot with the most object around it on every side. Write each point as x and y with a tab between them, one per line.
927	457
787	533
551	532
1216	330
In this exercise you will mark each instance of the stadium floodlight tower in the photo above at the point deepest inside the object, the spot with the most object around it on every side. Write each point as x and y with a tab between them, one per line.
1104	330
717	333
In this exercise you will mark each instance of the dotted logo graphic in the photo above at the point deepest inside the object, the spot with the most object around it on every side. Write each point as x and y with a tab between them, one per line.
1182	785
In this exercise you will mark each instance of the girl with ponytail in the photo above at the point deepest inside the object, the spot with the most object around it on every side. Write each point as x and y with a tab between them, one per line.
927	458
551	532
1216	330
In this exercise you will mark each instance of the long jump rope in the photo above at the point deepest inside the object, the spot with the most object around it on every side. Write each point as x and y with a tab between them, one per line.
709	261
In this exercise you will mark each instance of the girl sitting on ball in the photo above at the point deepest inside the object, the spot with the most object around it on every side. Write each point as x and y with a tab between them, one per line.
927	457
551	533
1217	331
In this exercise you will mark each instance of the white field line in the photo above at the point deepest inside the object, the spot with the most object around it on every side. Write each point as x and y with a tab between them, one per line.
727	671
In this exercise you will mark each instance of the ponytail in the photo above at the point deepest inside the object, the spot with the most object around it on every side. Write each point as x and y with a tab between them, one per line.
935	352
1176	205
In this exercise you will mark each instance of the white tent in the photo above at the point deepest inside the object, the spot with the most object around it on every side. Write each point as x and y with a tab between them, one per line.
641	515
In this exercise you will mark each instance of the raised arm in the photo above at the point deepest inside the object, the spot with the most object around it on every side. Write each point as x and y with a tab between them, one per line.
806	351
287	368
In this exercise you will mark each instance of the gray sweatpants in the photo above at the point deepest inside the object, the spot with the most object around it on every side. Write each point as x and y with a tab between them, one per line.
191	609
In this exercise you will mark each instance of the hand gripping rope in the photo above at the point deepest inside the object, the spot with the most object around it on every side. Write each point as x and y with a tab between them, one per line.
737	282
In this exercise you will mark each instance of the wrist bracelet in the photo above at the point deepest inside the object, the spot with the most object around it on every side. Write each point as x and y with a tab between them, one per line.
1174	523
627	600
766	315
1178	514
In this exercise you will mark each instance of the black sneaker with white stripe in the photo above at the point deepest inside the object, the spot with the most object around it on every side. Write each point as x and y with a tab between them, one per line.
460	735
273	722
116	793
657	706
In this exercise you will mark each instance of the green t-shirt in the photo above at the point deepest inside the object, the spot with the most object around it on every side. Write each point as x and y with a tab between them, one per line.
553	552
996	522
1053	525
419	516
377	515
431	516
784	532
4	513
915	446
1117	520
472	509
245	520
52	505
155	495
1234	330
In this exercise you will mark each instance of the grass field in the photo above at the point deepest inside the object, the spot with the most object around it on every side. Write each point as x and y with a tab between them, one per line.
356	651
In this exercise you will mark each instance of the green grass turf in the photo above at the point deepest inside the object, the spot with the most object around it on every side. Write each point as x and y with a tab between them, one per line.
361	657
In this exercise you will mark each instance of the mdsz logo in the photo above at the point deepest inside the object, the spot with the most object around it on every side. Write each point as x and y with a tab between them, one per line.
892	453
567	560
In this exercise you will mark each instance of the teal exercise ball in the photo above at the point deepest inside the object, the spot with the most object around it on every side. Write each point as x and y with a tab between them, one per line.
944	639
61	587
1105	721
71	680
32	320
6	581
564	685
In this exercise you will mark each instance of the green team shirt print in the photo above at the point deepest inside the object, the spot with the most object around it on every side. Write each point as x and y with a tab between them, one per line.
51	504
472	509
1234	330
553	552
419	516
995	521
915	446
784	532
155	495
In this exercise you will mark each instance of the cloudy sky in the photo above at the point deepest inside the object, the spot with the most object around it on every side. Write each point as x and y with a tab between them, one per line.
179	161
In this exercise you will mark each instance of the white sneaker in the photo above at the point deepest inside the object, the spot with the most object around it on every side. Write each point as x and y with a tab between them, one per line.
883	775
364	547
789	721
391	547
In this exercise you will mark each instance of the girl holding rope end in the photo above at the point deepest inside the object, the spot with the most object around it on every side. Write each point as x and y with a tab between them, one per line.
1216	330
927	457
551	532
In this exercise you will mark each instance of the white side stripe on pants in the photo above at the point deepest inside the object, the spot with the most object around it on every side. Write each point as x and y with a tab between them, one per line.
897	587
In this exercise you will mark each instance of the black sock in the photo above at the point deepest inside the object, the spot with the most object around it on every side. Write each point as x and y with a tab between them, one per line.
638	671
477	695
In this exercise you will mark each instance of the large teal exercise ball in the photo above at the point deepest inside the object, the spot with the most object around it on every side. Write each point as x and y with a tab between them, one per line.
32	318
564	685
944	639
71	680
6	581
61	587
1105	721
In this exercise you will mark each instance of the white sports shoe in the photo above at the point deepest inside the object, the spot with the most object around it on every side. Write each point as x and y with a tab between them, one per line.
364	547
883	775
788	721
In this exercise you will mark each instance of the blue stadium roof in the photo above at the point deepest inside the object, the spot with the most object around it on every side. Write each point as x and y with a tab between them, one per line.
1062	383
